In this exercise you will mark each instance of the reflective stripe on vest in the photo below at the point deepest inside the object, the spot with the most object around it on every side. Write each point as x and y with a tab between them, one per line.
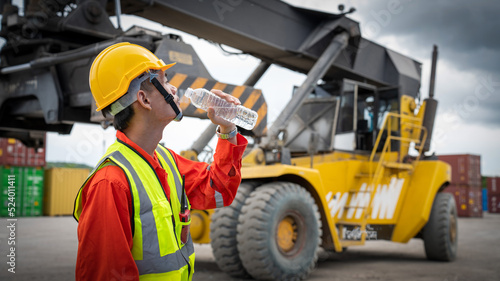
172	167
155	255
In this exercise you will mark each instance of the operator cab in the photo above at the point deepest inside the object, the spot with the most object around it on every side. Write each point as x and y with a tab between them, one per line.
343	115
362	110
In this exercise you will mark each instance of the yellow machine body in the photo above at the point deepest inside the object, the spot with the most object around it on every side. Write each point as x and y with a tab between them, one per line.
360	195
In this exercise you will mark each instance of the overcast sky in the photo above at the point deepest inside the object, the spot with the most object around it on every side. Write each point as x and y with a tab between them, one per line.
467	86
468	77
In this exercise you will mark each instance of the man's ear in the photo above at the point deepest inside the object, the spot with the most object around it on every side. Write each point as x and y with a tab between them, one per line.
143	100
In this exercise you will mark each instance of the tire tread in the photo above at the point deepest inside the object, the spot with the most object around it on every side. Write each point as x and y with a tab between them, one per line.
223	233
436	232
253	232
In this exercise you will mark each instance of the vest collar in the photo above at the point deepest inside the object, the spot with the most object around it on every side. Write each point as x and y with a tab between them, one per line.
152	160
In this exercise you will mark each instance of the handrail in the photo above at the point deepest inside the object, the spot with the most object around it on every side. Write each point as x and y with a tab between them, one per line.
377	175
388	124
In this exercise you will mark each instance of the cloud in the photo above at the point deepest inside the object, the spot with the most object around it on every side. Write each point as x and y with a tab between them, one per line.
86	144
469	50
465	30
451	136
468	72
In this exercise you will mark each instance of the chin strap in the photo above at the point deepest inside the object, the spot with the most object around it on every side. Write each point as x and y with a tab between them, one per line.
168	98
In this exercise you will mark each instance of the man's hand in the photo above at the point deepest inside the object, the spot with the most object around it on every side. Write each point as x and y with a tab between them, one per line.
225	126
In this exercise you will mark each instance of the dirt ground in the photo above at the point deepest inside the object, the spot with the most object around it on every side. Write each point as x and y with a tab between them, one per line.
46	250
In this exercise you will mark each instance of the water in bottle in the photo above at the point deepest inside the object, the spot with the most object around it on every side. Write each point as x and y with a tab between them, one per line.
236	114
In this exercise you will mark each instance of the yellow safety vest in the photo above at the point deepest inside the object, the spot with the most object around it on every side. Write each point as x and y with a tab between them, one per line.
157	248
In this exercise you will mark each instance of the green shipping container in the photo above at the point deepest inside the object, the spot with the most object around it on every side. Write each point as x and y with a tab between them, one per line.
28	183
12	175
32	194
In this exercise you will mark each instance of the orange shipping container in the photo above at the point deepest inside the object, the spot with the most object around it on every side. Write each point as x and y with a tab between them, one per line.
493	185
494	203
468	199
465	168
61	187
15	153
35	157
12	152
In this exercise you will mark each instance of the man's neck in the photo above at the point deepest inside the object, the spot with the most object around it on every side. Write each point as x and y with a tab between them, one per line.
145	137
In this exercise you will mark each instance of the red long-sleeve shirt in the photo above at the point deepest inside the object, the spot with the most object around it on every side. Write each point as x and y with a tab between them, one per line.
104	229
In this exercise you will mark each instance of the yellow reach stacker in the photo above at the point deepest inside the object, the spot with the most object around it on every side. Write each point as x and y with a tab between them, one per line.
333	199
343	166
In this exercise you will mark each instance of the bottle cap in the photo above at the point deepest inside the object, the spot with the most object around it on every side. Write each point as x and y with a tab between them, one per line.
188	93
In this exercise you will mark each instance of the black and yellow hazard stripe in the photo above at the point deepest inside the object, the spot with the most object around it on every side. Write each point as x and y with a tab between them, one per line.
249	97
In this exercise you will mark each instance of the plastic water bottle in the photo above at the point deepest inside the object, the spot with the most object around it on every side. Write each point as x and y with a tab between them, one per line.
236	114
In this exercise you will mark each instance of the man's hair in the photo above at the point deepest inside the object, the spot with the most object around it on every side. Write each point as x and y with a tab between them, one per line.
121	120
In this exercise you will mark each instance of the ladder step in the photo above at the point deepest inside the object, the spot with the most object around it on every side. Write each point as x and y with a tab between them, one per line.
396	165
346	243
354	207
351	223
359	191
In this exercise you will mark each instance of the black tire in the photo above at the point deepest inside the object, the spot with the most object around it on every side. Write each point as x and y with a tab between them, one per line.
223	233
440	232
270	209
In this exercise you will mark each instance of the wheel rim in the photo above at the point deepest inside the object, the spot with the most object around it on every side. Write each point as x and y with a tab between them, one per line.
290	234
453	228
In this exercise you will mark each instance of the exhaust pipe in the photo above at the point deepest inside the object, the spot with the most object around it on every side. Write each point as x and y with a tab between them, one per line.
430	103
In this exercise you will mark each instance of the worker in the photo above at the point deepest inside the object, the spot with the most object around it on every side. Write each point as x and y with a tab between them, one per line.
133	209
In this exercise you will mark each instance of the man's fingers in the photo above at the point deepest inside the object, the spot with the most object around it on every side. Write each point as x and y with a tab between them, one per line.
226	97
236	101
210	113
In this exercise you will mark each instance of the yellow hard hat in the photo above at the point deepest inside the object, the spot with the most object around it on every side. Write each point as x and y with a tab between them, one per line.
115	67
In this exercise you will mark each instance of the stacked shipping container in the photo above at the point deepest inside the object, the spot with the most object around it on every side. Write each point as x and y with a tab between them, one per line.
21	174
27	184
15	153
465	183
493	187
61	187
485	199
